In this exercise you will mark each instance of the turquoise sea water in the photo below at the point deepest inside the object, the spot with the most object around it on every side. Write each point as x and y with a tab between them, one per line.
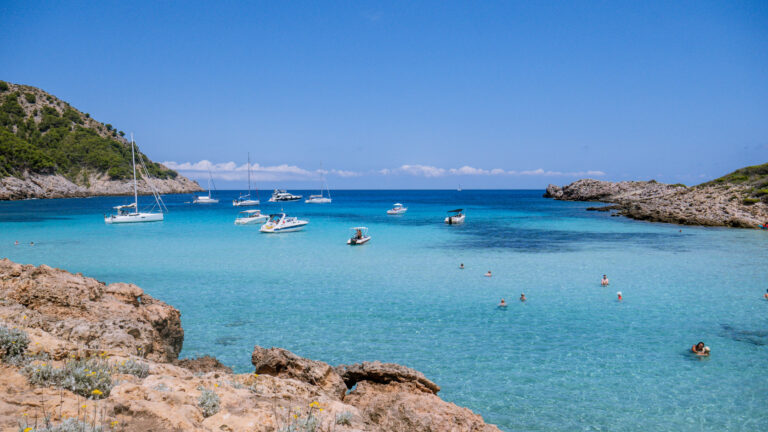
571	358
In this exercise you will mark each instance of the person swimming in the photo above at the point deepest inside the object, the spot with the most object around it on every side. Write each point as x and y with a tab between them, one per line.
503	303
605	281
765	296
488	274
16	243
461	266
522	297
700	349
619	294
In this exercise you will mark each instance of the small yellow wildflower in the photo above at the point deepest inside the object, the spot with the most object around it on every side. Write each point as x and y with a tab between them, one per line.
24	317
96	392
25	414
314	404
27	429
43	365
321	410
216	385
295	416
114	423
84	406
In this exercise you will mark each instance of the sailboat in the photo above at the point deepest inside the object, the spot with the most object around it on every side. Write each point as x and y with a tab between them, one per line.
320	199
203	199
130	213
245	200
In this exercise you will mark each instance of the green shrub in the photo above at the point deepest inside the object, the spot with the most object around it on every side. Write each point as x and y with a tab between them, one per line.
72	116
344	418
208	402
108	126
13	343
30	97
89	378
133	367
750	201
4	86
66	425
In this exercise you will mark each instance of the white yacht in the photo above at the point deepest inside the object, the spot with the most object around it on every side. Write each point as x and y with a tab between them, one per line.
249	217
320	199
397	209
455	217
245	200
360	236
207	199
130	213
280	222
281	195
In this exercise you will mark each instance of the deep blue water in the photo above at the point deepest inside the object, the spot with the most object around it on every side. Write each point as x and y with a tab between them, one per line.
571	358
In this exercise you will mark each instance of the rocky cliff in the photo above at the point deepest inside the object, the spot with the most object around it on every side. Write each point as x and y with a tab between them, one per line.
82	353
49	149
717	203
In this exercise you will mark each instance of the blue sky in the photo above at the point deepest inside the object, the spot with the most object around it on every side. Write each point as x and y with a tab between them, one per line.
411	94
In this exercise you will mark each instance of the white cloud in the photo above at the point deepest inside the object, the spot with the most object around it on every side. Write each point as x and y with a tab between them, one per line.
232	171
466	170
422	170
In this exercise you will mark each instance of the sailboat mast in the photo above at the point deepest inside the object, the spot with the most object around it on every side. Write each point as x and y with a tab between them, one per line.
249	174
135	191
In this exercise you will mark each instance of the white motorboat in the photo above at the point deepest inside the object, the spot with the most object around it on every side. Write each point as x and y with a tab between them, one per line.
320	199
245	200
130	213
360	236
280	222
280	195
397	209
207	199
248	217
455	217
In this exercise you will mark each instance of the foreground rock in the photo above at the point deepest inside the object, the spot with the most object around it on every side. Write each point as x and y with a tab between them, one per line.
71	316
715	204
58	186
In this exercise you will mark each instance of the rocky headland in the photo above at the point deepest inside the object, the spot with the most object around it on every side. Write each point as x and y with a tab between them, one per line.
32	185
78	352
50	149
739	199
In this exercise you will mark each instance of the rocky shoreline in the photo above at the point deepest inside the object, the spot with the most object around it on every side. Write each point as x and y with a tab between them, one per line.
708	204
85	353
57	186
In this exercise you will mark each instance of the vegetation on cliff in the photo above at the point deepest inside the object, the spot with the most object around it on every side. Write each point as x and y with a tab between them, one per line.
42	134
754	178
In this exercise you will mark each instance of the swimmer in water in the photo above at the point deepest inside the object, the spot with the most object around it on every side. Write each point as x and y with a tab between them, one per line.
503	303
461	266
619	294
488	274
765	296
522	297
16	242
700	349
31	243
605	281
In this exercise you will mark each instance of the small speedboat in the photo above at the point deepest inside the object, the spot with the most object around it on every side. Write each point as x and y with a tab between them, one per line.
248	217
455	217
397	209
280	222
281	195
359	236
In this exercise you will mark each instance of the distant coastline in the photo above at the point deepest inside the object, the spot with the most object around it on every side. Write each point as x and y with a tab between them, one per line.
738	200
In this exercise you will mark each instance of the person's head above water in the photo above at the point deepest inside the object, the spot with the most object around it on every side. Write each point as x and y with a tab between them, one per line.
700	346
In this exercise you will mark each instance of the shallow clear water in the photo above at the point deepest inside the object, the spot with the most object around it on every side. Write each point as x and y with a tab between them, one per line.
571	358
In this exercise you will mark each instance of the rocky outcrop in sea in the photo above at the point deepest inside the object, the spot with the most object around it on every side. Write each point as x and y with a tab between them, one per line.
708	204
85	353
57	186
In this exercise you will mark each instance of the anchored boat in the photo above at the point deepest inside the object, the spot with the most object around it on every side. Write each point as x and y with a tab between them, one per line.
280	195
280	222
207	199
397	209
245	200
248	217
130	213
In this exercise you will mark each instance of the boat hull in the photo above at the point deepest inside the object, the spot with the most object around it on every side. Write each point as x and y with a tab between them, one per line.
284	199
318	201
251	221
358	242
454	220
206	201
396	212
245	203
275	230
134	218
